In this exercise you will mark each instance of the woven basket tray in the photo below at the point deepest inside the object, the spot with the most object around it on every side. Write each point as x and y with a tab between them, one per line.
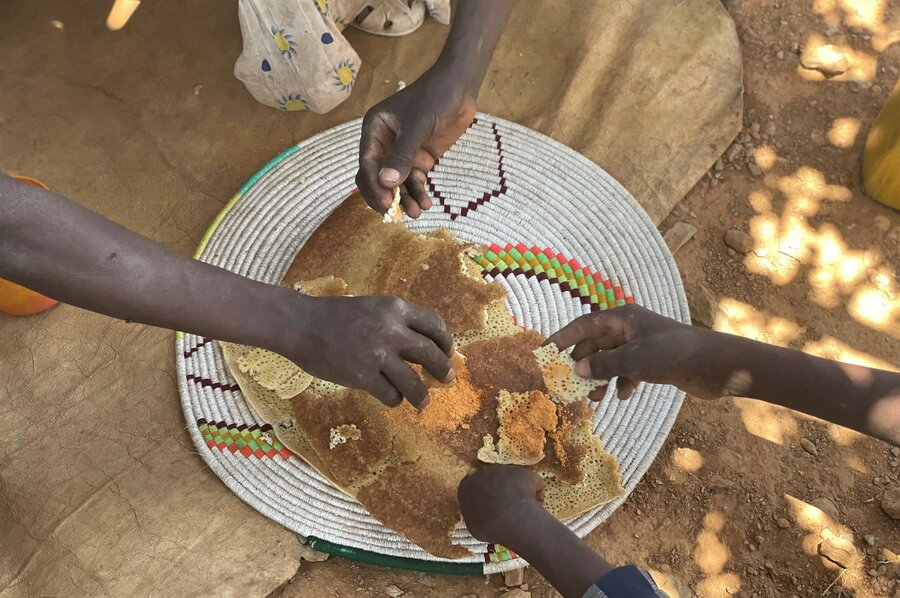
565	239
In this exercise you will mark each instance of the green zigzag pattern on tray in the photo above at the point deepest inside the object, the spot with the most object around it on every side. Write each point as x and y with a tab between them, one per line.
588	286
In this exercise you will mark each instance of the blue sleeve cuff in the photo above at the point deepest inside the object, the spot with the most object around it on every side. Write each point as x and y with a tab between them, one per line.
625	582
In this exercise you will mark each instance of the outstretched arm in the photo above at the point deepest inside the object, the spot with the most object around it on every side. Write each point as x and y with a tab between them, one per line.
60	249
404	135
636	344
502	503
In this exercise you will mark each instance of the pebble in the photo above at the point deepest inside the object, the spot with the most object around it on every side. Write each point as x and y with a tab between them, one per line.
783	523
733	152
516	593
677	236
895	450
394	591
809	447
739	241
703	305
755	128
307	553
890	504
876	90
514	578
754	169
719	165
197	89
870	539
779	54
817	137
771	129
883	224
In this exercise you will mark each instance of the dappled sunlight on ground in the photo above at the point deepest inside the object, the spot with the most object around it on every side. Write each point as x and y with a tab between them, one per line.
827	539
736	317
767	421
856	64
831	348
711	555
765	157
687	459
867	14
787	243
843	132
851	461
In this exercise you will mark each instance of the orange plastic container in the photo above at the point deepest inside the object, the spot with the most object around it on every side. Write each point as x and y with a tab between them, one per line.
15	299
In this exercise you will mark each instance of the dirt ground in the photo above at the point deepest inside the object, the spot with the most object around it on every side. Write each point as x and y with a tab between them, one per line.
730	505
743	496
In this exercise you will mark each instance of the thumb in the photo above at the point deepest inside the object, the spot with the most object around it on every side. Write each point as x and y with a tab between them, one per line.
399	160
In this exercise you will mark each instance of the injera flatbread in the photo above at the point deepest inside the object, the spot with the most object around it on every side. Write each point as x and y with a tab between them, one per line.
503	390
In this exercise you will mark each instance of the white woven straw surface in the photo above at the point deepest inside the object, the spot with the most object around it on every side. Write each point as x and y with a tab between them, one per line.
540	193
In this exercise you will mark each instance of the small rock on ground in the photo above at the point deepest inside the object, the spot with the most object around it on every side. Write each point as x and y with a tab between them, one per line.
307	553
739	241
783	523
394	591
677	236
516	593
890	504
870	539
703	305
514	578
895	450
809	447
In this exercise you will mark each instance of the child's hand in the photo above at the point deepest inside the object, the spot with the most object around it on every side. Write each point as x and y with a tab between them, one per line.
366	342
498	500
404	135
636	345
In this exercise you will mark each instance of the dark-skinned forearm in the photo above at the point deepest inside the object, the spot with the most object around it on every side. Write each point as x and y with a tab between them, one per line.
564	560
61	249
476	29
864	399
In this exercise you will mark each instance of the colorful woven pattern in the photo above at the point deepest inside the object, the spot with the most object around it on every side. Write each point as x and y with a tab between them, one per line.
545	264
249	441
497	553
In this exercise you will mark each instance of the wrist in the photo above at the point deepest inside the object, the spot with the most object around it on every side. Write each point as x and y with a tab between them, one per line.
285	321
456	72
519	536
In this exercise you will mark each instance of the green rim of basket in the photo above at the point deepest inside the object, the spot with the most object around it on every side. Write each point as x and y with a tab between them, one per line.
394	562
